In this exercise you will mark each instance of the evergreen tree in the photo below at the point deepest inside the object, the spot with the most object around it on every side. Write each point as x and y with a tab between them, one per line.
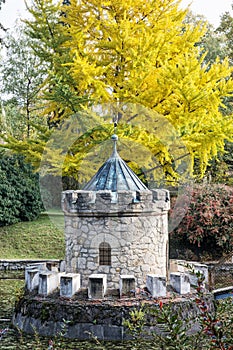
19	191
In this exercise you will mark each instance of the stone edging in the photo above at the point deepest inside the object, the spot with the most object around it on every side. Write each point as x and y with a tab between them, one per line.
20	264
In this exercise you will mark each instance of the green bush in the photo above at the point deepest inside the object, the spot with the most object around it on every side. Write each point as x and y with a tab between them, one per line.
211	328
19	191
207	226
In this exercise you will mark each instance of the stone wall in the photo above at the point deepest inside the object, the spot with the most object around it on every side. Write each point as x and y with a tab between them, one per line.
84	320
134	224
20	264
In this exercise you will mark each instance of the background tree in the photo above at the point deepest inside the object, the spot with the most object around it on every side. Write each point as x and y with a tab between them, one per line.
19	191
139	53
122	52
218	44
22	74
226	28
215	46
12	118
1	3
48	35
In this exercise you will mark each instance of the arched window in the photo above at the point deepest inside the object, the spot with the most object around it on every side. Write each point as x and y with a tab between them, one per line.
104	254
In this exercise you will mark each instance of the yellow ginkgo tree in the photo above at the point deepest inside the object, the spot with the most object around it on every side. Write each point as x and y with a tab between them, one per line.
123	54
144	52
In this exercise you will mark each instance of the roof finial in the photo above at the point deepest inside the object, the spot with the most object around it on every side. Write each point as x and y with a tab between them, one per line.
114	138
115	127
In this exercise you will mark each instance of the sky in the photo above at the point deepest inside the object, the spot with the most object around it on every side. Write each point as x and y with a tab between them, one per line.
211	9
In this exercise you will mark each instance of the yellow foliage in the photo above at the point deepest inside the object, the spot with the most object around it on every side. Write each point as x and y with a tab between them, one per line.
143	52
140	53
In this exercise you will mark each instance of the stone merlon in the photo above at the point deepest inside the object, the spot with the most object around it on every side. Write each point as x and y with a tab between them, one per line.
92	203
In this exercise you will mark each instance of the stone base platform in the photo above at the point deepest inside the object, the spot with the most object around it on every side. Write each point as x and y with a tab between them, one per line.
83	318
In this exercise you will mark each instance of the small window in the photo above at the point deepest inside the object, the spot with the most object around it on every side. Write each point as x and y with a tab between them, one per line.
104	254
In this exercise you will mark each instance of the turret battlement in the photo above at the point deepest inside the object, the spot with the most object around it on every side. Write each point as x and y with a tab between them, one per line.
107	202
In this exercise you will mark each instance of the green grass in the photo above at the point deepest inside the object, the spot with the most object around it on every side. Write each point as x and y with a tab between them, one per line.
39	239
10	291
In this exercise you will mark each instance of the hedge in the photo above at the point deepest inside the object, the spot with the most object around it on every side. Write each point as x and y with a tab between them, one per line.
19	191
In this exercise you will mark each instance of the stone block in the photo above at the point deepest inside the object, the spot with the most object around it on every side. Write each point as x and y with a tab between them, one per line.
69	284
104	197
162	198
32	278
177	265
161	194
125	197
40	266
180	282
199	269
52	266
127	285
156	285
62	266
84	197
48	282
32	275
81	263
97	286
145	268
144	196
113	332
91	265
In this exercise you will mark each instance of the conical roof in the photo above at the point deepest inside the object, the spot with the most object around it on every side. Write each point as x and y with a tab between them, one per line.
115	175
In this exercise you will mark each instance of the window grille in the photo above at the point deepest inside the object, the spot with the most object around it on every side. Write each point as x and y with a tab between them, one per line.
104	254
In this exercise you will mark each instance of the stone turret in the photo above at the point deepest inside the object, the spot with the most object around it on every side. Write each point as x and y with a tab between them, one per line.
116	226
116	233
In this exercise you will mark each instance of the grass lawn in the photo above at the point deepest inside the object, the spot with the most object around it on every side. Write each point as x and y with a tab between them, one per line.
39	239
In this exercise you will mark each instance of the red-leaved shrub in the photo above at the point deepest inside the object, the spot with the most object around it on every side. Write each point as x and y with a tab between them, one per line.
208	222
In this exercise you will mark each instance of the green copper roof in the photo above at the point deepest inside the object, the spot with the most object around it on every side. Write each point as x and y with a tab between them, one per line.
115	175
